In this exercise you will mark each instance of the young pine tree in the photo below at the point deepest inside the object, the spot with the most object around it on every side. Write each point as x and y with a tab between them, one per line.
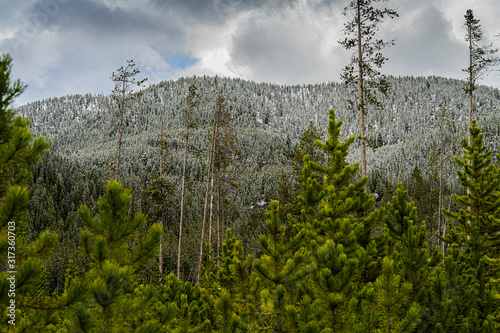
481	204
476	232
340	218
118	254
21	262
410	249
280	267
392	296
235	275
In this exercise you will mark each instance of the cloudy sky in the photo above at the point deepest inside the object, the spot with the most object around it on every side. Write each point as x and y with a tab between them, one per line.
65	47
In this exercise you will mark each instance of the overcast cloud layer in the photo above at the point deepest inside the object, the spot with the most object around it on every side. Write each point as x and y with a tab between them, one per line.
65	47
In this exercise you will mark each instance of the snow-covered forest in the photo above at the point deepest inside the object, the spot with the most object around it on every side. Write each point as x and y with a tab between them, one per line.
216	204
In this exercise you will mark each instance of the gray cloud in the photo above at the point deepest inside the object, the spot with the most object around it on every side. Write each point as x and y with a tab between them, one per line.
72	46
425	45
97	19
211	11
283	50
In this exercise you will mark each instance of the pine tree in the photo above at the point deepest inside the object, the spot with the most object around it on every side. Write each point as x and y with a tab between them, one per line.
340	218
480	59
122	94
160	197
235	275
307	146
343	198
290	186
481	205
221	147
477	233
444	128
362	69
414	262
227	150
280	267
442	312
21	262
411	250
391	298
117	255
185	304
227	320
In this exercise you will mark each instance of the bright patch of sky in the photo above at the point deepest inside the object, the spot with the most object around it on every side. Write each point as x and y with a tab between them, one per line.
178	61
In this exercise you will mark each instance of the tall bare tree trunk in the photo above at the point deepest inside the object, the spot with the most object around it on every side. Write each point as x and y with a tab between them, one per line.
211	209
471	78
470	89
361	97
182	200
440	204
223	208
211	159
160	258
218	217
120	131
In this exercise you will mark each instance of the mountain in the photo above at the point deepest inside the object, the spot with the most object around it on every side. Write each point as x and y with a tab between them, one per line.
268	120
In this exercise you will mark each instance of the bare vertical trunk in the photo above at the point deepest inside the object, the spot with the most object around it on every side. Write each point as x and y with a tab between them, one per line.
218	217
440	222
160	258
121	110
182	200
119	148
470	87
211	209
361	96
449	208
223	208
471	77
210	173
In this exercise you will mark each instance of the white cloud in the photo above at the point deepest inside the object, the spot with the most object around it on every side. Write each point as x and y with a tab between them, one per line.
75	46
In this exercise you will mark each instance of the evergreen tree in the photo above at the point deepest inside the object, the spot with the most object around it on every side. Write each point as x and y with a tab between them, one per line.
344	199
413	261
21	262
122	94
222	146
411	250
340	217
235	275
290	187
481	204
480	58
160	197
392	296
442	311
477	233
185	304
117	257
362	69
281	266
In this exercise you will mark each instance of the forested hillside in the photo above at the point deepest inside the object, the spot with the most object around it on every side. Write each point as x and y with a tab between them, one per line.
268	121
292	240
82	127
